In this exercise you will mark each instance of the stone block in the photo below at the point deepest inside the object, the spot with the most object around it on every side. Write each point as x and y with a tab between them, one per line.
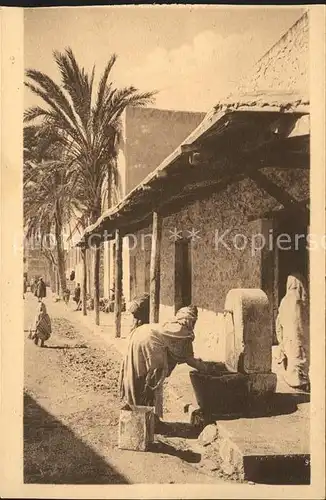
220	395
260	384
219	355
208	435
229	456
248	333
252	450
208	465
136	428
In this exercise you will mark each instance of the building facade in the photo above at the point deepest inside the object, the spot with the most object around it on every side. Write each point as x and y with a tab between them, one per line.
35	263
213	244
148	136
242	173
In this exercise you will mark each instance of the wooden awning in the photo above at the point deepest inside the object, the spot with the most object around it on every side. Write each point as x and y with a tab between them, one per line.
232	143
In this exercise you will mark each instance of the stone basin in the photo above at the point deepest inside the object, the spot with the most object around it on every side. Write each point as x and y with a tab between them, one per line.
221	393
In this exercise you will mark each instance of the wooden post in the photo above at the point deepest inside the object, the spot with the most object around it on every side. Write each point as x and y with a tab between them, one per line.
97	257
155	269
155	282
84	287
118	283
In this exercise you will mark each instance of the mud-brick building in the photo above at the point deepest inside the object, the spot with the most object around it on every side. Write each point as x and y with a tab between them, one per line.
35	263
148	136
243	175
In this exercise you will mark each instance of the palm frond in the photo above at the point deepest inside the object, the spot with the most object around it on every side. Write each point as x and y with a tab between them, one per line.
58	115
68	155
78	85
103	90
53	91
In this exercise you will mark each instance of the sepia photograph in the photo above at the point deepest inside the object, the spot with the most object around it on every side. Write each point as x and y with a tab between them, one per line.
167	246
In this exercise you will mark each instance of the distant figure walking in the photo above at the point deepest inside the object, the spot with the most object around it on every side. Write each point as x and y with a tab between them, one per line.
41	329
25	286
292	328
40	291
66	296
76	297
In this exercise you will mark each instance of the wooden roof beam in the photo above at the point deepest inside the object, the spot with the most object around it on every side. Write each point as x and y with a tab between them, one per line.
169	190
302	206
284	160
275	191
179	194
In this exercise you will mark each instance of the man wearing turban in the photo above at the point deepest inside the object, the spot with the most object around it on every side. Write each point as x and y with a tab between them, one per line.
153	352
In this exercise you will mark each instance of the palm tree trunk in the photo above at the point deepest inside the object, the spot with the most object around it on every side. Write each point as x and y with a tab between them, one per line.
84	289
57	283
52	277
52	270
97	256
110	185
60	255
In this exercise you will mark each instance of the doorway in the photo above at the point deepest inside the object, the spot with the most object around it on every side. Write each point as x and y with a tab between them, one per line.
283	257
182	274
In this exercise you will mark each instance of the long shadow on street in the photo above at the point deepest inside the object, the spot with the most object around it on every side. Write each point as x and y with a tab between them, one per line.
54	454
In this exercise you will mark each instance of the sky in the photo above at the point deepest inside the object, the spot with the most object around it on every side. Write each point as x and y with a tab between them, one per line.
192	55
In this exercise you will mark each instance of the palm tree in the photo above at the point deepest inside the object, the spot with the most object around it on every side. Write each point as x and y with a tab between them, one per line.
47	188
88	124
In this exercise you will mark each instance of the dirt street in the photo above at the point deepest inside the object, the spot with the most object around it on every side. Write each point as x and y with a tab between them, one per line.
71	413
